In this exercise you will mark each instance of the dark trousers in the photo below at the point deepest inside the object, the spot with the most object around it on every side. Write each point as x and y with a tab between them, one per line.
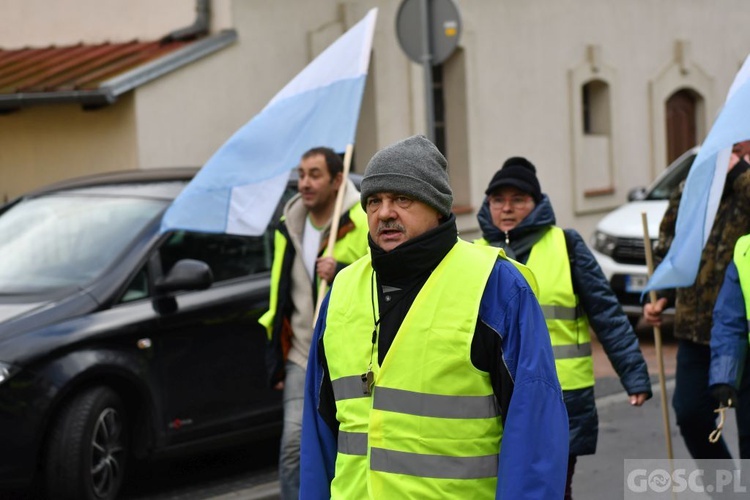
743	411
569	482
694	406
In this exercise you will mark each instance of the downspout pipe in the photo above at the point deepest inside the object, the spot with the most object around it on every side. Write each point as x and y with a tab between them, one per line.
199	27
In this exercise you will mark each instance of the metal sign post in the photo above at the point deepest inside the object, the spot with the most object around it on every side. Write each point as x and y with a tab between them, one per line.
429	103
428	32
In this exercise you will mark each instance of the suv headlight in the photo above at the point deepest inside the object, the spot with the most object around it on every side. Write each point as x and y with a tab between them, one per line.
604	243
6	371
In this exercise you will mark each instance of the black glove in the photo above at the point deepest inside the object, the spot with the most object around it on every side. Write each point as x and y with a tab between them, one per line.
725	394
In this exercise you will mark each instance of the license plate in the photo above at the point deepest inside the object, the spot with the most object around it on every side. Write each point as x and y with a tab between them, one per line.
635	282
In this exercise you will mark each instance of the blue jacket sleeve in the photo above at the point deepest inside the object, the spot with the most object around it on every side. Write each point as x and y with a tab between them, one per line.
729	331
607	319
534	453
318	446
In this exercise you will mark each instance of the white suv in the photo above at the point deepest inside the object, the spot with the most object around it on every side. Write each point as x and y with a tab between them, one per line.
618	239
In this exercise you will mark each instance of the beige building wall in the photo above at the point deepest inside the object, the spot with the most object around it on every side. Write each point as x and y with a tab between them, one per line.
47	144
38	23
514	86
185	116
520	96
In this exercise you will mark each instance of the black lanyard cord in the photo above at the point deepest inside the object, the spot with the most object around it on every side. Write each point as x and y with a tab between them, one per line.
376	322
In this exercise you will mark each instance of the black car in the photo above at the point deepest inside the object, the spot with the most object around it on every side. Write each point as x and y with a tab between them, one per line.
117	341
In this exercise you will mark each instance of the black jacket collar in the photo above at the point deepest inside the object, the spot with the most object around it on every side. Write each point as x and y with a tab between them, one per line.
416	257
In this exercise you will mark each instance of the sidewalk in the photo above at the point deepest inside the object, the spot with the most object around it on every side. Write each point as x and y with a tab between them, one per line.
627	432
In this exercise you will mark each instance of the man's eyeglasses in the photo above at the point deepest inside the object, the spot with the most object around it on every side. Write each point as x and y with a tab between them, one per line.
514	201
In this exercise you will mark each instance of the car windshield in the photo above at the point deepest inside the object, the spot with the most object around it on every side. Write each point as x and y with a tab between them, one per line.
59	241
672	178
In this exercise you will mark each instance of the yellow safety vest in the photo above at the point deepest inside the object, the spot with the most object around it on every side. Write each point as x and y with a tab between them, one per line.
742	261
347	249
431	428
567	323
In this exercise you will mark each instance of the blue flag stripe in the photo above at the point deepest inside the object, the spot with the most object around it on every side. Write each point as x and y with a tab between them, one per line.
703	189
239	187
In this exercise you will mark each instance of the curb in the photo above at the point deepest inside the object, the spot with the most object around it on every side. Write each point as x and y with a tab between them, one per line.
265	491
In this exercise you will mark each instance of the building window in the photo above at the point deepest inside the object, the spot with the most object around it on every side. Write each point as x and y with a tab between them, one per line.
594	141
451	126
438	106
595	107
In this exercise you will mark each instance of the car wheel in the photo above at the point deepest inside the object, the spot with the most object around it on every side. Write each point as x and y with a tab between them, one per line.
88	448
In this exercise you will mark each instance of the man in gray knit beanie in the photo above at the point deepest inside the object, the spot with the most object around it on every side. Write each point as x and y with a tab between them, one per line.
423	324
413	167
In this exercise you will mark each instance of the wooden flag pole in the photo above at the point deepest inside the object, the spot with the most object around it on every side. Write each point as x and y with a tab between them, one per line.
657	340
334	225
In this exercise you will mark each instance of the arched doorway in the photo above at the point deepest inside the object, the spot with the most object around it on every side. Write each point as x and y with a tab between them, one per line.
681	123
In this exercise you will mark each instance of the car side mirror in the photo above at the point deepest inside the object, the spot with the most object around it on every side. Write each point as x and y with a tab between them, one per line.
637	193
186	274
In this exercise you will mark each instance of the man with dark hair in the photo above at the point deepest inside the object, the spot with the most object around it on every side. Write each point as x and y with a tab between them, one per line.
574	295
431	372
332	159
300	240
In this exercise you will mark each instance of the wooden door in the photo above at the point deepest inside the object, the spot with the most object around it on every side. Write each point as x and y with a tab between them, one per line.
681	126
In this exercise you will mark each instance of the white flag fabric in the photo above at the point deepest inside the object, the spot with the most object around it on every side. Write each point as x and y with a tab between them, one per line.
238	189
703	188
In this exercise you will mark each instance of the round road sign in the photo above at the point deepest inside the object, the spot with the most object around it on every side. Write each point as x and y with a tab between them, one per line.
444	29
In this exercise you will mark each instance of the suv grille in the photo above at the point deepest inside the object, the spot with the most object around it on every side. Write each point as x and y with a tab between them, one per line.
629	251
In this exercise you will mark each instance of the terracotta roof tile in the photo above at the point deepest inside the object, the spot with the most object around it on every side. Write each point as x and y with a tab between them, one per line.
94	74
76	67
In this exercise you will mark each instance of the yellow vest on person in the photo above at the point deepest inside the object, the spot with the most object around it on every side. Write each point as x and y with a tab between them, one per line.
742	261
566	321
347	249
431	428
567	324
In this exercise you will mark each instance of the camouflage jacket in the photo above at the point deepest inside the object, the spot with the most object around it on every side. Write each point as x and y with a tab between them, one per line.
694	305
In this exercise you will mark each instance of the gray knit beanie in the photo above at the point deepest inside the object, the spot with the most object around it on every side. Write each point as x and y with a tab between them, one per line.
414	167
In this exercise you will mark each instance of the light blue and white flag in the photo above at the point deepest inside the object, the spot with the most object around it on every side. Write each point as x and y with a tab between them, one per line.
703	188
239	187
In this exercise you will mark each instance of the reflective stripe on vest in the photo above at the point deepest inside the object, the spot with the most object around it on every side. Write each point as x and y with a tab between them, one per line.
566	321
352	443
571	350
742	261
432	424
434	405
433	466
348	387
560	312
